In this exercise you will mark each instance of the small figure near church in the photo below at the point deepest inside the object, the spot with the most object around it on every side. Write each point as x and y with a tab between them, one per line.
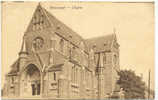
122	93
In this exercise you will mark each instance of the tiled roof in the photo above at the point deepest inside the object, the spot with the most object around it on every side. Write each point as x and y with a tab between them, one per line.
64	31
67	33
14	67
101	43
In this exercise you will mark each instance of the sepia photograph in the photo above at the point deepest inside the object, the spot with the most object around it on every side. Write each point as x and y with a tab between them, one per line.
78	50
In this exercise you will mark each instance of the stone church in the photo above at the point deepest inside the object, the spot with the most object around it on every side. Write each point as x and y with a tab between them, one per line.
56	62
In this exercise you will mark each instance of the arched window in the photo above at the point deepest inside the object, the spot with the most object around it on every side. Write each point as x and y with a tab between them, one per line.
61	43
104	58
51	58
54	76
74	53
73	74
91	54
115	59
38	43
12	79
82	45
53	42
79	76
76	76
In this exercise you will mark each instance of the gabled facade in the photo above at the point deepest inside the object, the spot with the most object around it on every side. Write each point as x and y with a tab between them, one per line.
55	62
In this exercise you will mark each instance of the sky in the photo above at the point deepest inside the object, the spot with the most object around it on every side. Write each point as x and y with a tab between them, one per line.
133	23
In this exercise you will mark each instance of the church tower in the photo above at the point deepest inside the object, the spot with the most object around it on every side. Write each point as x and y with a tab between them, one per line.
22	55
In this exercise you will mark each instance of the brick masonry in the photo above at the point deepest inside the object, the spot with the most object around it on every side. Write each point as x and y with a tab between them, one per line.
55	62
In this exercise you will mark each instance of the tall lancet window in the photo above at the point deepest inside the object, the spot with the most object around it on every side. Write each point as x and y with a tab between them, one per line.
61	43
53	42
73	74
12	79
74	53
104	58
115	59
101	60
51	58
91	55
76	76
54	76
41	22
38	20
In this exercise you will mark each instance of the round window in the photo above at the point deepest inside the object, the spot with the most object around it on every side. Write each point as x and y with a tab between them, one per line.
38	43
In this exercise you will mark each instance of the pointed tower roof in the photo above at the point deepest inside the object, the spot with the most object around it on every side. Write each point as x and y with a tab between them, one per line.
23	47
14	67
100	60
114	33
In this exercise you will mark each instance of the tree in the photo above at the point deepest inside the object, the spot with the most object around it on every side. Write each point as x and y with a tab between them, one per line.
132	84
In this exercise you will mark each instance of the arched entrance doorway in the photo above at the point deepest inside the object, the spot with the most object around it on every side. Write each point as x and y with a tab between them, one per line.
31	81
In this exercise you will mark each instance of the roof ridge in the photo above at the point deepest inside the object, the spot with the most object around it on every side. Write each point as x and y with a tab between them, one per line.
76	38
51	15
112	34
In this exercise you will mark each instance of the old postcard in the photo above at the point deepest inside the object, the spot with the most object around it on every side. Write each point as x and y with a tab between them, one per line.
78	50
